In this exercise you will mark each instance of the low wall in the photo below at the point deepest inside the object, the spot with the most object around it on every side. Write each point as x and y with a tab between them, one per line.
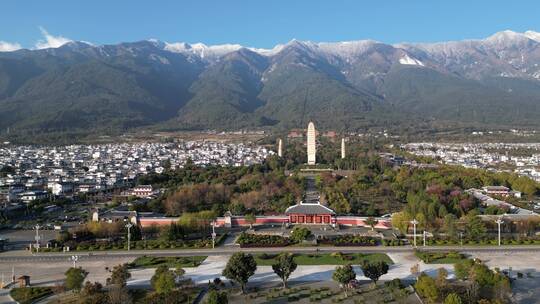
383	223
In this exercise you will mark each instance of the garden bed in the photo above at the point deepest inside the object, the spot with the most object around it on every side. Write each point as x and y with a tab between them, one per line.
450	257
336	258
350	240
28	295
171	262
247	240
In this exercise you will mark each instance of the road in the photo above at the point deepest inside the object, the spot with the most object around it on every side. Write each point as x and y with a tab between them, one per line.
12	256
49	268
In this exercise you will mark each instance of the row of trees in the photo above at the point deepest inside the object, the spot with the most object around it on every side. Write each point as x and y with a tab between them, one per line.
242	266
94	293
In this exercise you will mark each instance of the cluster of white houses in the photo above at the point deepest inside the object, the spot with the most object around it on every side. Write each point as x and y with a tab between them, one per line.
32	173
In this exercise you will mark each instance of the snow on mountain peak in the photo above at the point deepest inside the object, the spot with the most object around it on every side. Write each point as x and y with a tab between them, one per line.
506	37
201	49
532	35
406	60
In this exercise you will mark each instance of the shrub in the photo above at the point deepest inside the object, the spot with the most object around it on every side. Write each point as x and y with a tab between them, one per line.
255	240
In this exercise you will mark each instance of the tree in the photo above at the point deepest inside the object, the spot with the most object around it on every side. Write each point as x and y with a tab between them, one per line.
400	220
250	219
371	221
427	288
159	270
474	226
119	275
452	298
441	281
300	234
75	278
240	268
415	269
216	297
344	275
92	293
165	282
284	266
450	225
375	270
463	268
118	294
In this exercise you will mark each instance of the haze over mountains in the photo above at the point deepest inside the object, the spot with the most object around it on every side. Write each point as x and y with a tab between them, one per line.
344	85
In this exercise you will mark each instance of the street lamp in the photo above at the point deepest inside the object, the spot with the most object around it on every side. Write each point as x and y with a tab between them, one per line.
499	221
37	237
414	222
128	226
214	234
75	258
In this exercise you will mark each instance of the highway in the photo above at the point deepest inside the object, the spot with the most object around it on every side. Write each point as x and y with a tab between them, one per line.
20	256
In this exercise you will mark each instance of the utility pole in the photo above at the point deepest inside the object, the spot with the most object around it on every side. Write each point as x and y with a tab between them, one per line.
461	238
425	238
414	222
499	221
128	226
37	237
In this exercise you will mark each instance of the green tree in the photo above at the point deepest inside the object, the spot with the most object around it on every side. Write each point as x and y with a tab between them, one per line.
375	270
159	270
240	268
371	222
427	288
300	234
450	225
463	268
474	226
165	282
400	220
452	298
75	278
119	275
217	297
284	266
344	275
250	219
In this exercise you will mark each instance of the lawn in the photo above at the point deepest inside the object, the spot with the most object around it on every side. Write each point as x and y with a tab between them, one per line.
450	257
335	258
27	295
171	262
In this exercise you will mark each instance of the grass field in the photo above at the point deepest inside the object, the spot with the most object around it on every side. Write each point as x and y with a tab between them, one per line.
326	258
171	262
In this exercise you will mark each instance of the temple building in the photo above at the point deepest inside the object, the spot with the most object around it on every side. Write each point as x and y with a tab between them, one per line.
310	214
311	144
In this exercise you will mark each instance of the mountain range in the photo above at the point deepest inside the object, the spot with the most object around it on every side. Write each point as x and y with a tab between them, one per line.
352	85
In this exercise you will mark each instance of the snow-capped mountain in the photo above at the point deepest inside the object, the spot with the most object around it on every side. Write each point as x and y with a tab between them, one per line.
346	85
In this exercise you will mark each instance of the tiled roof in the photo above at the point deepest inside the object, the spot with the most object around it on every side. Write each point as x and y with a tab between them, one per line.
309	209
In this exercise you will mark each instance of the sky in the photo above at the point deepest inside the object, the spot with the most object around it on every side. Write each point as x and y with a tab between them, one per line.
258	23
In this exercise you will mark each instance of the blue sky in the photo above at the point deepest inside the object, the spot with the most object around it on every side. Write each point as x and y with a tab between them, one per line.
261	23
